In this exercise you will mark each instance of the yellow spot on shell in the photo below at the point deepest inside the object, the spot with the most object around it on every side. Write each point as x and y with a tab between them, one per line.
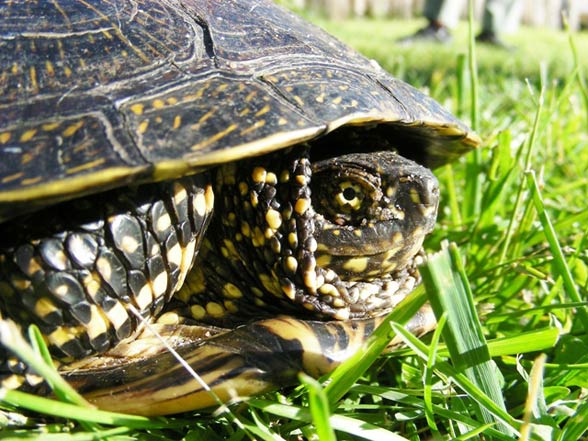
72	129
177	121
28	135
50	126
158	104
49	67
4	137
263	110
137	108
143	126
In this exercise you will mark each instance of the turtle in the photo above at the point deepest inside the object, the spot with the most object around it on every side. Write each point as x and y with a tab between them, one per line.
222	180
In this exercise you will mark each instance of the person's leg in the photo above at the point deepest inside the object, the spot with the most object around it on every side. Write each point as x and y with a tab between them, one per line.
496	14
442	15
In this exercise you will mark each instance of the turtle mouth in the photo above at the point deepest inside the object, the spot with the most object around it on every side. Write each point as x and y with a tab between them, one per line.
372	213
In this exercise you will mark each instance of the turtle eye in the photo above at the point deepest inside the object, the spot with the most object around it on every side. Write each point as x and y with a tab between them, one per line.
349	197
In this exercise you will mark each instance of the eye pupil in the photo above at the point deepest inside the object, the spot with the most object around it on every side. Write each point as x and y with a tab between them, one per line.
349	193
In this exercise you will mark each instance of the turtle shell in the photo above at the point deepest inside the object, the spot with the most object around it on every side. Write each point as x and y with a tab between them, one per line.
112	92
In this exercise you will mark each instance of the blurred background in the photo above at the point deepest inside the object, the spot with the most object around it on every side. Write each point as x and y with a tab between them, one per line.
545	13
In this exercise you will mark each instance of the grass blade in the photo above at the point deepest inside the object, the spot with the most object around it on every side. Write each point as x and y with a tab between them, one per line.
450	294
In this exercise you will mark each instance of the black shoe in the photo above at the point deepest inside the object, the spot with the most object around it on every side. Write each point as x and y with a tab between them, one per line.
492	39
432	33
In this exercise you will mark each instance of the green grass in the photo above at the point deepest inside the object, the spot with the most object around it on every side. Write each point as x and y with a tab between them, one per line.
516	217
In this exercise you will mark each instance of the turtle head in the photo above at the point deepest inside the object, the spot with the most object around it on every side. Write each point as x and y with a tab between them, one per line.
373	211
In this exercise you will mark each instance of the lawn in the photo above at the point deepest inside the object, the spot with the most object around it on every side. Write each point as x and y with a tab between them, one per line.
512	231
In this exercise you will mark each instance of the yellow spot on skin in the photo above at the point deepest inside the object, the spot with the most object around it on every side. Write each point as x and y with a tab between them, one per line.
61	336
414	196
269	283
169	318
159	285
289	291
337	100
209	197
310	281
97	325
285	176
172	100
329	290
232	291
301	180
158	104
198	312
137	108
291	264
67	71
4	137
143	126
342	314
273	219
231	306
323	260
215	309
243	188
257	238
302	205
144	298
117	315
259	174
177	121
245	229
282	121
28	135
293	240
174	255
44	307
271	178
356	264
200	204
163	223
104	268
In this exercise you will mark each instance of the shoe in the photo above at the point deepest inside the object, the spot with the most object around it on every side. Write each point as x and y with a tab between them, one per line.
431	33
488	37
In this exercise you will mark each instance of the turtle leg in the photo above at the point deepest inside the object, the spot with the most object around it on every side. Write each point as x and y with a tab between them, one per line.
76	269
255	358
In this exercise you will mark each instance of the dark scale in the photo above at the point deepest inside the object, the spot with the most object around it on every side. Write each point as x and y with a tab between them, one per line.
73	269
